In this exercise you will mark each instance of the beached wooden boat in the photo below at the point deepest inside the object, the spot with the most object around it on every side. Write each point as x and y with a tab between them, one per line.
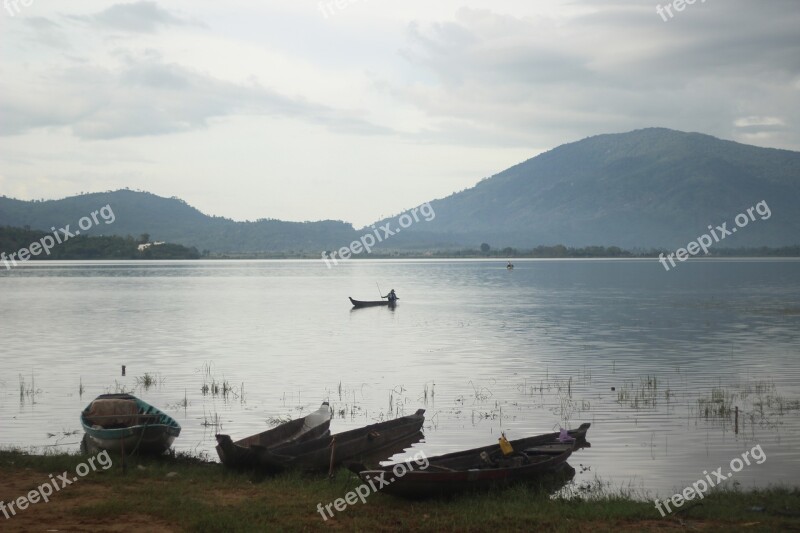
476	469
122	423
373	442
244	453
375	303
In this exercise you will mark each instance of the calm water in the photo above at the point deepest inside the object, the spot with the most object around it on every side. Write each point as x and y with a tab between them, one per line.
482	349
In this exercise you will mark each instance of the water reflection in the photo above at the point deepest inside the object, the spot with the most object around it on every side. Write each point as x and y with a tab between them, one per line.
231	344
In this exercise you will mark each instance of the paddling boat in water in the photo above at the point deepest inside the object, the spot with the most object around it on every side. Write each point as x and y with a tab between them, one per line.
375	303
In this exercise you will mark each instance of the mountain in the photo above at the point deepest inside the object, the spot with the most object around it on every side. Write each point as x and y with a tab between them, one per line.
646	188
173	220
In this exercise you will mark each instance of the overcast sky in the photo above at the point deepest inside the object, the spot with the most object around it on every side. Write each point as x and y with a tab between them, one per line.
302	110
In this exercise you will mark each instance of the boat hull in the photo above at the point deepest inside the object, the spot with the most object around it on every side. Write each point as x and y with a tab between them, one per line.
464	471
377	303
426	484
141	429
374	442
245	453
147	441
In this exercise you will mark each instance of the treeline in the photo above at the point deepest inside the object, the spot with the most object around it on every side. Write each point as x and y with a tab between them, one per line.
561	251
555	251
763	251
85	247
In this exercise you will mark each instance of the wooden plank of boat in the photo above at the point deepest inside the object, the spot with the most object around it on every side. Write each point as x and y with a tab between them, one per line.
244	452
370	442
375	303
117	422
477	469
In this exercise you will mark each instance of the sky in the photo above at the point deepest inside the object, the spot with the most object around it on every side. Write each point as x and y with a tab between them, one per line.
359	109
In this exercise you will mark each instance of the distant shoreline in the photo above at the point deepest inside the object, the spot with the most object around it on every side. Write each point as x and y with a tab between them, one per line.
112	247
501	261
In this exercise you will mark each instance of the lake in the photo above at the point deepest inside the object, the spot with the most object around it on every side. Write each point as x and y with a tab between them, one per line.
657	361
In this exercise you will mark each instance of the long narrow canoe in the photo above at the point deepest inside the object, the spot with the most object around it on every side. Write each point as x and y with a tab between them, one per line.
244	453
367	443
476	469
375	303
123	422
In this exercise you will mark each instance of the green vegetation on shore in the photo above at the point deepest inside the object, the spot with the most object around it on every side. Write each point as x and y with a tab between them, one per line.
193	495
540	252
88	247
112	247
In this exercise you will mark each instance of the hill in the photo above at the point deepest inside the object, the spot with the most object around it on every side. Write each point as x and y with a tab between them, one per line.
651	188
646	188
173	220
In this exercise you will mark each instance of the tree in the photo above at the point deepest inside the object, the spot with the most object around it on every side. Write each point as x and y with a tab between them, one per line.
485	248
144	238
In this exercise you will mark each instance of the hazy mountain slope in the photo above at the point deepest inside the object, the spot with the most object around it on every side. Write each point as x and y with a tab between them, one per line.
171	219
652	187
646	188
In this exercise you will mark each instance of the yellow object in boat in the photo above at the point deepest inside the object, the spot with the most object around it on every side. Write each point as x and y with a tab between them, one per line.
505	446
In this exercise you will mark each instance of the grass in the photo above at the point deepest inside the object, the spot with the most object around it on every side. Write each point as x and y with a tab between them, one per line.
202	496
223	389
148	380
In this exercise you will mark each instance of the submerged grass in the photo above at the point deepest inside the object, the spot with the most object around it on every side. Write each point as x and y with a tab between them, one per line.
201	496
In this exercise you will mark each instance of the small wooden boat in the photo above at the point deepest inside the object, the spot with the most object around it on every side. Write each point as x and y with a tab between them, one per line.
368	443
122	423
244	453
375	303
476	469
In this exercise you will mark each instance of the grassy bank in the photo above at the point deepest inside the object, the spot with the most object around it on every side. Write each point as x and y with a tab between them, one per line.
191	495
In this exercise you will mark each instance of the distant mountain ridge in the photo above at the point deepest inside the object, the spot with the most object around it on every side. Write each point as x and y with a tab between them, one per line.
646	188
173	220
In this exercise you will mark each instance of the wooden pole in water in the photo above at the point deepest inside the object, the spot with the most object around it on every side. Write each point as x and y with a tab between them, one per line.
736	420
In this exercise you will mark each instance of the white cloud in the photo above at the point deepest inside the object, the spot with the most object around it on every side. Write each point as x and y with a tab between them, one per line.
137	17
384	105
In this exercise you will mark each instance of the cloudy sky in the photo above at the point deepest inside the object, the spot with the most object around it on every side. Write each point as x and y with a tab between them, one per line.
356	109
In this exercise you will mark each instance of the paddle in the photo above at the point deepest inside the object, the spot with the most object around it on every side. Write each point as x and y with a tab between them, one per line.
379	289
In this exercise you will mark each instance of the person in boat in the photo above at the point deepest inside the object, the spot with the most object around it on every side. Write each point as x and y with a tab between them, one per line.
509	265
392	296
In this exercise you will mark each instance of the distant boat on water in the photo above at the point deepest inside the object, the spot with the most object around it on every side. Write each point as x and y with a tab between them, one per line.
375	303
